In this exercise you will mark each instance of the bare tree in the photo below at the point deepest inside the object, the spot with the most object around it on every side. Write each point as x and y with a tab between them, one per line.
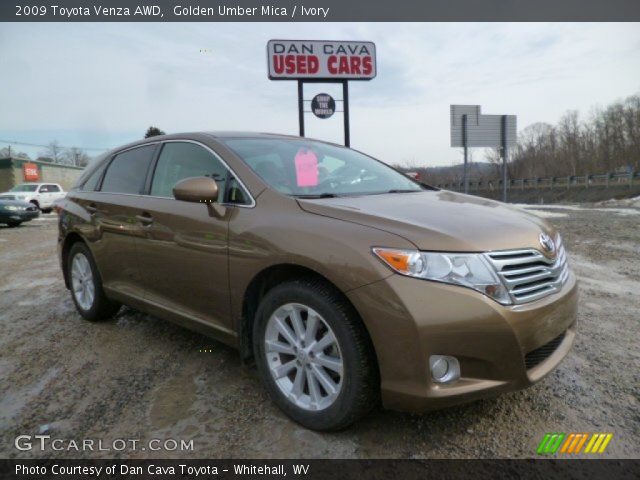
76	156
9	151
54	151
608	140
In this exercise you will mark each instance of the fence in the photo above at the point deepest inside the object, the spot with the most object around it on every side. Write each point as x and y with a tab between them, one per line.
573	181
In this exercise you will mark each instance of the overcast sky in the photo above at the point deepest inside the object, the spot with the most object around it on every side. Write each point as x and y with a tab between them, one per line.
101	85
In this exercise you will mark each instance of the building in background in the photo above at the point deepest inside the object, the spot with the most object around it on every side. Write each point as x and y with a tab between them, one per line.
14	171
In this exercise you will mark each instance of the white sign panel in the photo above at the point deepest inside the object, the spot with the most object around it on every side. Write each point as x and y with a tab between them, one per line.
328	60
482	130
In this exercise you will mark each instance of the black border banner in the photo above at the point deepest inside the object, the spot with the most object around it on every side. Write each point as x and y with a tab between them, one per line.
318	10
46	469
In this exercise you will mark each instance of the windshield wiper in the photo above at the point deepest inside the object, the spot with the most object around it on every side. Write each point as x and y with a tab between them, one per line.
317	195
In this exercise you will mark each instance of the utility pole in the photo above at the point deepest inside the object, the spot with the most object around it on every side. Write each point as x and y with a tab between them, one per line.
504	158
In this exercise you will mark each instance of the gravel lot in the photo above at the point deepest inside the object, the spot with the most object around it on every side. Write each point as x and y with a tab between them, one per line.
139	377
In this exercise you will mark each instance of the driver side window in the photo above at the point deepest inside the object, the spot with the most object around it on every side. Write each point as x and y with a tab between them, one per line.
180	160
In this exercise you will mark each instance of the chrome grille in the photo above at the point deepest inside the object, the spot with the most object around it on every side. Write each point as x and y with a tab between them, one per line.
7	197
528	274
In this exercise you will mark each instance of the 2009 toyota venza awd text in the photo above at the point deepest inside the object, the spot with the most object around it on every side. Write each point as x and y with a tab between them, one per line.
347	282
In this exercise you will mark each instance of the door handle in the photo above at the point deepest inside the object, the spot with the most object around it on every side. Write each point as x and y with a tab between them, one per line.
92	209
145	219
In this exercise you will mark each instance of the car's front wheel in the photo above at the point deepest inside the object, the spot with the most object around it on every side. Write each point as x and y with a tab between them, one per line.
86	285
314	355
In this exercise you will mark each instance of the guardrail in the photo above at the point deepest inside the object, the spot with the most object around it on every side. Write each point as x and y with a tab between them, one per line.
571	181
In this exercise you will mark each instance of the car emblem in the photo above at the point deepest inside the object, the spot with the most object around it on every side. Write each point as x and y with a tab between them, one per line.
547	243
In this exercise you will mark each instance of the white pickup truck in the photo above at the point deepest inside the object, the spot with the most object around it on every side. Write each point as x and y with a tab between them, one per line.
42	195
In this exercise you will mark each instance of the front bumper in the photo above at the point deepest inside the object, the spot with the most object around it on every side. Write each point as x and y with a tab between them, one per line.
410	319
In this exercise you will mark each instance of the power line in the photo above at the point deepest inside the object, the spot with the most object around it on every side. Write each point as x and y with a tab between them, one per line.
24	144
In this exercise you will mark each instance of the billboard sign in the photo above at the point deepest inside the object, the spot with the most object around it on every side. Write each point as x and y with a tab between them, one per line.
30	172
482	130
325	60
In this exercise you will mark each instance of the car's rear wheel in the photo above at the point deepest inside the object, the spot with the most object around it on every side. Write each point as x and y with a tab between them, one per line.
86	285
314	355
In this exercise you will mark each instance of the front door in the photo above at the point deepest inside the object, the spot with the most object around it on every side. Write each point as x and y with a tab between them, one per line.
183	253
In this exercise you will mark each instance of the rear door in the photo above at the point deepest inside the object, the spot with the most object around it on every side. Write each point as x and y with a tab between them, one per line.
114	209
183	252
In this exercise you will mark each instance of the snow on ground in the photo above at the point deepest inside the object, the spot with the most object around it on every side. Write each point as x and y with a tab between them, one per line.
624	202
543	214
540	210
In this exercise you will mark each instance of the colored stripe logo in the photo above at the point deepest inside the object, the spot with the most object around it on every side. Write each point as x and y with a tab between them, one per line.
572	443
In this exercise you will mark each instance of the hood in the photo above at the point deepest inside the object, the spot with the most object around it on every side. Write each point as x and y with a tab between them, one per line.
438	220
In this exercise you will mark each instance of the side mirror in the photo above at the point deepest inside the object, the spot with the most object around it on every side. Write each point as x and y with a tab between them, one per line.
196	189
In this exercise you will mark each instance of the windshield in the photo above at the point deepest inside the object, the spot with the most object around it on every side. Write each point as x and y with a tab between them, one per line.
24	188
311	169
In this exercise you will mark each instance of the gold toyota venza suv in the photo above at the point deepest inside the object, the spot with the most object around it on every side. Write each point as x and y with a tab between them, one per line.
345	281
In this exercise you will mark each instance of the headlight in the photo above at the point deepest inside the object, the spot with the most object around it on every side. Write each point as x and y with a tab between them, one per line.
470	270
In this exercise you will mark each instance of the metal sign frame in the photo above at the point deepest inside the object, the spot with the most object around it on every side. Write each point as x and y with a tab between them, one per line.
478	130
345	103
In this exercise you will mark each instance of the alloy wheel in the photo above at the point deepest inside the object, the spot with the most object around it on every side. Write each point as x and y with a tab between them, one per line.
82	281
304	357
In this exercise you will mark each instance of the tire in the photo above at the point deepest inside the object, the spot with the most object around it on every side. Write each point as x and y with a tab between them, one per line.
36	204
13	224
315	407
95	307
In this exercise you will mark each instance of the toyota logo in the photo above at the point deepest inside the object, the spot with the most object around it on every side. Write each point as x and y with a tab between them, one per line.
547	243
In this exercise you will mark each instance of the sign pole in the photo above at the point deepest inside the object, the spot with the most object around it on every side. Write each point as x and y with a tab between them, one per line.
466	153
504	158
345	108
301	107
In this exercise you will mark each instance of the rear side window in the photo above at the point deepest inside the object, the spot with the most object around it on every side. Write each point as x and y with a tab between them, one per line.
128	170
92	182
53	188
180	160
